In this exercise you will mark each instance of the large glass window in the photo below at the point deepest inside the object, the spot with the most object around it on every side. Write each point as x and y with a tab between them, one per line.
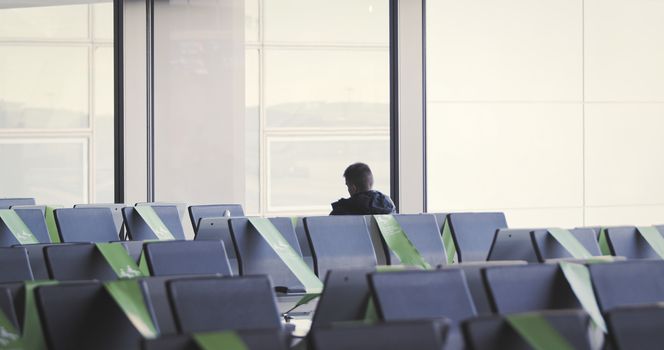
547	110
56	103
318	95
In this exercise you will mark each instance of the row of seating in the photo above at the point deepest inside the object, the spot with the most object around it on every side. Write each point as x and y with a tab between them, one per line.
83	315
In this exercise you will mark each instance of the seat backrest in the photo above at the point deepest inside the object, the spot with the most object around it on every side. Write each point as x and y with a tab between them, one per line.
198	212
422	230
170	258
636	327
219	229
33	219
138	229
7	304
158	303
514	289
15	265
344	297
440	220
513	244
257	257
420	334
116	210
37	259
473	274
84	316
339	242
627	241
6	203
547	247
627	283
253	339
77	262
494	332
86	225
303	241
412	295
473	233
224	303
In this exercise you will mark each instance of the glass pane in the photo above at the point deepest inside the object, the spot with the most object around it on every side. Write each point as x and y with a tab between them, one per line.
252	133
324	21
54	171
52	22
306	174
103	125
103	21
43	86
251	20
327	88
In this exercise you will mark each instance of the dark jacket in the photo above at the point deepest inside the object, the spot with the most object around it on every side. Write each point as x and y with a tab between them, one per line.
363	203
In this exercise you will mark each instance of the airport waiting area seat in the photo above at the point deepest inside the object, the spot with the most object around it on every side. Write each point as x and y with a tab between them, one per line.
424	233
168	258
517	289
224	303
15	265
33	218
627	241
258	257
344	298
494	332
219	229
339	242
513	244
77	262
83	315
86	225
548	248
139	230
636	327
628	283
116	210
473	233
198	212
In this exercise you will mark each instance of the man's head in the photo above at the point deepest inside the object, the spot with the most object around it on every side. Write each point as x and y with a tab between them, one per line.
358	178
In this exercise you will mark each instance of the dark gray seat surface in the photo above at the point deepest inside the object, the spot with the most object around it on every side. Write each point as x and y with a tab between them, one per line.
344	297
187	258
412	295
547	247
219	229
253	339
224	303
636	327
513	244
627	241
116	210
14	265
138	230
422	230
514	289
86	225
473	233
626	283
258	258
339	242
76	262
84	316
494	332
6	203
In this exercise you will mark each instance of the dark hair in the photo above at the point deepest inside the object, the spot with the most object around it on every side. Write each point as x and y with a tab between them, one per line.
359	174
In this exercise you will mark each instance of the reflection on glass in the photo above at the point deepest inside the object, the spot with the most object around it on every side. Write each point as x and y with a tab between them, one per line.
43	87
51	170
327	88
324	21
307	173
52	22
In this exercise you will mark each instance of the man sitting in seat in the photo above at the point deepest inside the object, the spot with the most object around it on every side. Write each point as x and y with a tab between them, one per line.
363	200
